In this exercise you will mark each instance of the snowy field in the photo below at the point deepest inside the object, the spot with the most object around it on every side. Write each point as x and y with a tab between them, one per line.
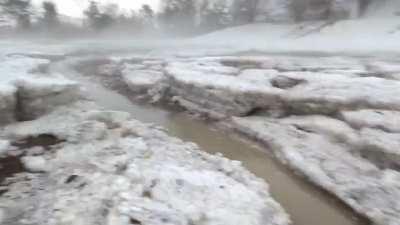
355	37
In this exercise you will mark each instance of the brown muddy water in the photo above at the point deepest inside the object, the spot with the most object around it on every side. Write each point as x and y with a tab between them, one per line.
306	204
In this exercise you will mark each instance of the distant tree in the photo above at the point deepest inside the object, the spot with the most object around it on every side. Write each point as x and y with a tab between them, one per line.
215	16
50	18
20	10
92	14
111	9
135	21
97	20
169	13
179	16
147	16
245	11
188	13
363	6
147	11
104	21
298	8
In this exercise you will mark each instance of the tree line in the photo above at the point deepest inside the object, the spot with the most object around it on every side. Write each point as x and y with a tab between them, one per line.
97	18
174	16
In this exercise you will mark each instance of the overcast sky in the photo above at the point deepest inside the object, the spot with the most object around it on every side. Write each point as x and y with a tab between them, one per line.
74	8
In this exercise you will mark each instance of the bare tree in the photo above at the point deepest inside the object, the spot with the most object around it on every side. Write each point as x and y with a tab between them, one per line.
97	20
20	10
92	13
147	15
245	11
178	16
50	17
363	6
215	16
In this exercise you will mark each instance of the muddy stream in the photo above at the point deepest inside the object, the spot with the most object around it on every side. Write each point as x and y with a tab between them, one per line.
306	204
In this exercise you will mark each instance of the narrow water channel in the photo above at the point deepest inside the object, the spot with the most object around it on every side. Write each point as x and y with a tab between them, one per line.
306	204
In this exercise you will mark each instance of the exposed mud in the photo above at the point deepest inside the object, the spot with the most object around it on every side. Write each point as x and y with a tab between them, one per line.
43	140
9	166
12	164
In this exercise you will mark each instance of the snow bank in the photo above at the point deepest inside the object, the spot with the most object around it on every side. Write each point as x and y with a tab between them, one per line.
329	95
227	94
22	91
380	119
330	164
299	102
115	169
303	86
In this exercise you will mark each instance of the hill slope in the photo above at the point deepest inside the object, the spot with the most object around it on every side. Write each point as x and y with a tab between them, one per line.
378	30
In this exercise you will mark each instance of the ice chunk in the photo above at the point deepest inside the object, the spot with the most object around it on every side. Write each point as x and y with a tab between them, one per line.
329	95
334	129
136	173
332	165
141	81
39	95
35	163
381	119
4	146
382	148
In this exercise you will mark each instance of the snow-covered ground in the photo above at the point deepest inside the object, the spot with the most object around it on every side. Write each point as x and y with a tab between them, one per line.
333	119
358	36
377	31
114	170
105	167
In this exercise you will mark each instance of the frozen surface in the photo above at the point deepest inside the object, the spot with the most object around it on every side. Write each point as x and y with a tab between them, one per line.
112	168
21	86
331	164
381	147
140	81
380	119
333	119
14	66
